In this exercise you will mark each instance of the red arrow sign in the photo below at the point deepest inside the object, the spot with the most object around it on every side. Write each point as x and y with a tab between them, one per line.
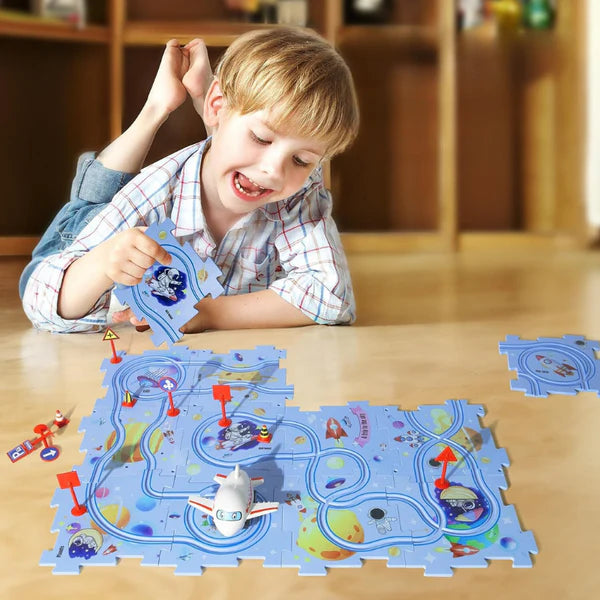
445	456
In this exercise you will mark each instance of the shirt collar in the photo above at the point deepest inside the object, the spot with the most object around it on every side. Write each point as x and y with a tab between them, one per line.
187	208
274	210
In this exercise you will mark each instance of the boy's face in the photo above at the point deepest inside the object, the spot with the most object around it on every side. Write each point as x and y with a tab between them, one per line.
252	164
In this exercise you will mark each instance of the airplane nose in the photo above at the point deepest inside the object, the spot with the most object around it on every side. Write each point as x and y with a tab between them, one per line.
228	529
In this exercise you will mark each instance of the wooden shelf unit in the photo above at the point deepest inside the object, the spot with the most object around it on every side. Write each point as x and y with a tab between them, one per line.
430	174
15	24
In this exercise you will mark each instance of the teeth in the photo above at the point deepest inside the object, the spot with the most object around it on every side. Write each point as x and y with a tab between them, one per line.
239	187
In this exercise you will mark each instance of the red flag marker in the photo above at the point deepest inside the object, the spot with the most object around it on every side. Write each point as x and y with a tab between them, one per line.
222	393
71	480
111	336
445	456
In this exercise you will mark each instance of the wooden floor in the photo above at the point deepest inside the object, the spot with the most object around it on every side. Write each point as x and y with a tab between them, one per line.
428	330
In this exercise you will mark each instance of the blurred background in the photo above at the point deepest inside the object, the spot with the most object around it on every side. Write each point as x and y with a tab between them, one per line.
477	115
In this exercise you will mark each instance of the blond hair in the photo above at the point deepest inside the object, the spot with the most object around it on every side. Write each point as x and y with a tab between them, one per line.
296	75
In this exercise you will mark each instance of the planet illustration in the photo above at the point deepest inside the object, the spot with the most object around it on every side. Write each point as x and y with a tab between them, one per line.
116	514
469	439
300	440
145	503
142	529
208	441
130	450
102	492
478	542
343	523
398	424
335	462
192	469
508	543
259	412
334	483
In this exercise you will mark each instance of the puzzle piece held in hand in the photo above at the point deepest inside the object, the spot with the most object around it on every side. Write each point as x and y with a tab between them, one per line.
167	295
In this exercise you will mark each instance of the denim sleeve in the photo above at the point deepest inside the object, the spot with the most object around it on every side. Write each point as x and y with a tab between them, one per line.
92	189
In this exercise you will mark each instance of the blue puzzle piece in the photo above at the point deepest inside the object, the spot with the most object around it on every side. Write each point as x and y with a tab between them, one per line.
167	295
545	366
353	482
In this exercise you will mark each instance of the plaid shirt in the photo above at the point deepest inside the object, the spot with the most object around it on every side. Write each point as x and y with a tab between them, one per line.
291	247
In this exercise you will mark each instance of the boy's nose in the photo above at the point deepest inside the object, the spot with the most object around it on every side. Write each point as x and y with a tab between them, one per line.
272	165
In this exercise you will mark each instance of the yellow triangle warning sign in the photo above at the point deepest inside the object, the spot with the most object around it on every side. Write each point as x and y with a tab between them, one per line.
109	334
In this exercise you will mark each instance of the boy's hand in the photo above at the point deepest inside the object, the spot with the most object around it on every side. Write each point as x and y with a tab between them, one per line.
121	316
195	325
129	253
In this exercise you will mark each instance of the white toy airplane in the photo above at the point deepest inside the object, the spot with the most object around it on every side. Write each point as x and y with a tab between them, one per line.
233	503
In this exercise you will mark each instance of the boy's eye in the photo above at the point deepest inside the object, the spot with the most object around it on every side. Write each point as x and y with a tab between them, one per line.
258	140
300	162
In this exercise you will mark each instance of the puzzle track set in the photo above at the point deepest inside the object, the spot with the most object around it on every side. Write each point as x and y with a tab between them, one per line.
354	482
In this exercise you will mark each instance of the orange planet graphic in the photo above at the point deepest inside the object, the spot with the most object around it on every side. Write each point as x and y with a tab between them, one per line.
130	450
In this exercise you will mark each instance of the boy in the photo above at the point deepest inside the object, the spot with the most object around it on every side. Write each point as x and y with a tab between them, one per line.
251	197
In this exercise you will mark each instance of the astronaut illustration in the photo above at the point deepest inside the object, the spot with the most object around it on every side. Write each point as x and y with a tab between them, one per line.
166	282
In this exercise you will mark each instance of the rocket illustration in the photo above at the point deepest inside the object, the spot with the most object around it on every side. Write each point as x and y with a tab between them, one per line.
233	503
334	429
562	369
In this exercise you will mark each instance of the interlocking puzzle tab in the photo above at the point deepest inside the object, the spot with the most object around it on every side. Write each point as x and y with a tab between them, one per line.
545	366
167	295
353	482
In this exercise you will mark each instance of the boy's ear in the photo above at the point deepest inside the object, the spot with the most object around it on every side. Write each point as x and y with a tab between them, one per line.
213	104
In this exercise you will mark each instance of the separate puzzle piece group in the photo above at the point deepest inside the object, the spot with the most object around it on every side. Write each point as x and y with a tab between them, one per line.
167	295
566	365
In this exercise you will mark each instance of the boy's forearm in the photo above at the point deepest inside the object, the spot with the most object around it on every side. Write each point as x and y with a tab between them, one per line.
128	152
257	310
83	284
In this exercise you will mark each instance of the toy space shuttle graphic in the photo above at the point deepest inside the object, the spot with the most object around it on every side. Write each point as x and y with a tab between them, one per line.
233	503
562	369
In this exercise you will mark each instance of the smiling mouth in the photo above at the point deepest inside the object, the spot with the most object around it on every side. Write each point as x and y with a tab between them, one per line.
246	189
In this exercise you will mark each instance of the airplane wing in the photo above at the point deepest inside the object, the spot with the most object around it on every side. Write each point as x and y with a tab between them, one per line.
219	478
201	503
262	508
257	481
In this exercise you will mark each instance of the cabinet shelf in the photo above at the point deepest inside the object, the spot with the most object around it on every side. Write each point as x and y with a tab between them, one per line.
214	33
386	36
15	24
